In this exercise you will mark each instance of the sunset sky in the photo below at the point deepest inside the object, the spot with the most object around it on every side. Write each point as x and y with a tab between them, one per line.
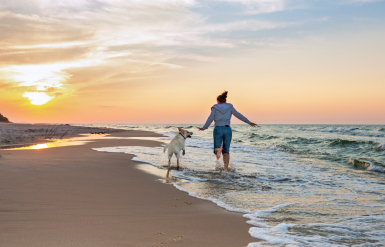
165	61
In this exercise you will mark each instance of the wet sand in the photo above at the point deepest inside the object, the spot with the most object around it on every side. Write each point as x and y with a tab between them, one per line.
22	134
74	196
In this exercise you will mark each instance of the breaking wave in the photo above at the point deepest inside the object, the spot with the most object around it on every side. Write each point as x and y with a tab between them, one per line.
381	146
340	142
366	165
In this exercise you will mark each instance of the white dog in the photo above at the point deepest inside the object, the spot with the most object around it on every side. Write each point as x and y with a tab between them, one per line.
176	145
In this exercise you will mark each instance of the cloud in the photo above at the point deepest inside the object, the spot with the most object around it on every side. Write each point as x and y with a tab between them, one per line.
245	25
366	1
360	2
260	6
53	47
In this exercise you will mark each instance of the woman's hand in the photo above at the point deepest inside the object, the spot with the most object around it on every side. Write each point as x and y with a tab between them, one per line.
253	124
201	129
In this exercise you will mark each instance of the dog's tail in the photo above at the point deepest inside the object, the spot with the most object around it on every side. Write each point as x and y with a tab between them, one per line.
164	149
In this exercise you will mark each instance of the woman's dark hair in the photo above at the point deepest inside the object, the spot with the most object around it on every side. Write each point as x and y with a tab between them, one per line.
222	98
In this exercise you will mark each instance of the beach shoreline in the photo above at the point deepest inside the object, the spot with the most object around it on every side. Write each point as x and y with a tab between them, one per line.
75	196
19	134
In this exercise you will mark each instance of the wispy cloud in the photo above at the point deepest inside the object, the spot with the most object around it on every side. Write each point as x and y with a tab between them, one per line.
365	1
260	6
45	44
358	2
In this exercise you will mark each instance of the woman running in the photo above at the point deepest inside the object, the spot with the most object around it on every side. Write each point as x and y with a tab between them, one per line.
221	114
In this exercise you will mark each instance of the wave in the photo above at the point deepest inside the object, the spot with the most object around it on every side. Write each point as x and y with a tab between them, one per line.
342	142
348	131
262	137
301	140
368	134
366	165
273	147
381	146
331	130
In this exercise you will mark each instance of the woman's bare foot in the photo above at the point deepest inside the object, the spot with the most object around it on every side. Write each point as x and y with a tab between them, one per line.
218	152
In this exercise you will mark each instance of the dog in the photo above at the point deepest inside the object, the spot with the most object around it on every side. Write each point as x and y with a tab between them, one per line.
176	145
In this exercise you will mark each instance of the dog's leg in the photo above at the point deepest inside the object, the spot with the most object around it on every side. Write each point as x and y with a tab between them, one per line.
177	161
169	165
168	173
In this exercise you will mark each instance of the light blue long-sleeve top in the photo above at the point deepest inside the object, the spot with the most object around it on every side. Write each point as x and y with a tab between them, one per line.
221	115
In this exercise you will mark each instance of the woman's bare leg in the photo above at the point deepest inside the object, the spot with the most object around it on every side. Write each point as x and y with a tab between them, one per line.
218	152
226	161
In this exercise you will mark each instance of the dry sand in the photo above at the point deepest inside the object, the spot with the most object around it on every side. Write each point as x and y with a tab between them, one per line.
74	196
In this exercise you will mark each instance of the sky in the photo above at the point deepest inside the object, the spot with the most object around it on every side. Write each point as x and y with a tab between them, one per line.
166	61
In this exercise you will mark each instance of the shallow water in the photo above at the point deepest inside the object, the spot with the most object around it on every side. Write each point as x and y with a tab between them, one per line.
309	185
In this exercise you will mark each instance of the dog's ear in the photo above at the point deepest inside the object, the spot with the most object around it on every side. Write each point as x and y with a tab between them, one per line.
180	129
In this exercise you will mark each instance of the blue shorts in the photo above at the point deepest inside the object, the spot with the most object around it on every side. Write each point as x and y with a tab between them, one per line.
222	138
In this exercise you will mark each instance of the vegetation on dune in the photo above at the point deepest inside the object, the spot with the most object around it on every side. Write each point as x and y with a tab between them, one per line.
3	119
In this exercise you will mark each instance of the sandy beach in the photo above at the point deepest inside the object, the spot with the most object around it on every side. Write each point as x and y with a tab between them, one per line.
75	196
21	134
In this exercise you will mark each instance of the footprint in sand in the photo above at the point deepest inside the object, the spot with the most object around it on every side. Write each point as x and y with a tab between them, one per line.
175	206
176	238
161	243
188	203
173	239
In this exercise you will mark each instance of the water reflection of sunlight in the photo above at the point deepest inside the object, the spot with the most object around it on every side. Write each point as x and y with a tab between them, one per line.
39	146
57	143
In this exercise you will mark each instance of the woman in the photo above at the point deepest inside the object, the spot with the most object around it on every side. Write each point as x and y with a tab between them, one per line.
221	115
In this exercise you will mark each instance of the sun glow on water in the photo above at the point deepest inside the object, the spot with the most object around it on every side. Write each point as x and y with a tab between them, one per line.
39	146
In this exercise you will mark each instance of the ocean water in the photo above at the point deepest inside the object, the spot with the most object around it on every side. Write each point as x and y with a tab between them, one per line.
297	185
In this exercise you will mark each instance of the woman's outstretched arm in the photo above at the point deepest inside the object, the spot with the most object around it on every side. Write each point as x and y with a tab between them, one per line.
241	117
209	120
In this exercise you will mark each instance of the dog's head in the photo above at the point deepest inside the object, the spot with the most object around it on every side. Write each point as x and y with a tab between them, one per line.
185	133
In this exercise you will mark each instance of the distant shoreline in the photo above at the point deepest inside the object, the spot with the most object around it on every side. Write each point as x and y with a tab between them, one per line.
19	134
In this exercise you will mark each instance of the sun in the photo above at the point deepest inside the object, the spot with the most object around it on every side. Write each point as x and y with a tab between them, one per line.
37	98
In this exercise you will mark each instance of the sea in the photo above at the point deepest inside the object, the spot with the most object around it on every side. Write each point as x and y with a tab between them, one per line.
296	185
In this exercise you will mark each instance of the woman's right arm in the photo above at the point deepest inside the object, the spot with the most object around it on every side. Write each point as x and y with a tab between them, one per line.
241	117
209	120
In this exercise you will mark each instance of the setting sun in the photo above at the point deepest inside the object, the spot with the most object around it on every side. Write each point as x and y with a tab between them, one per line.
37	98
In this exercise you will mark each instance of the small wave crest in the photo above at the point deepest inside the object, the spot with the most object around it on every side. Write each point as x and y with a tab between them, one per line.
381	146
340	142
262	137
273	147
301	140
366	165
331	130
